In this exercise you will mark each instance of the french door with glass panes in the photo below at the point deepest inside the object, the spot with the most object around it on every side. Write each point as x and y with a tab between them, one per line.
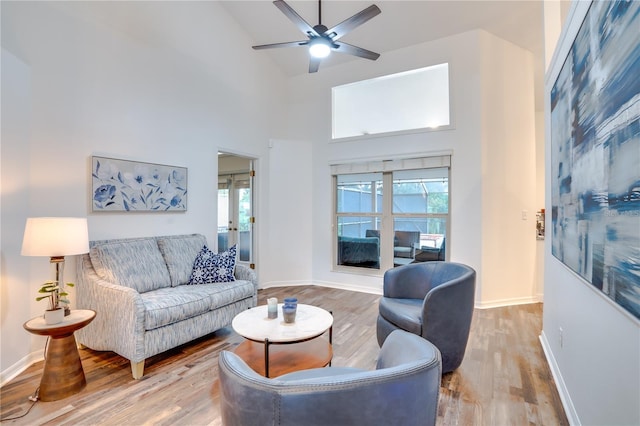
235	214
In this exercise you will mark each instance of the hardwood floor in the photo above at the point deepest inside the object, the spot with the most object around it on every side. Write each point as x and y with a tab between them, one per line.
504	378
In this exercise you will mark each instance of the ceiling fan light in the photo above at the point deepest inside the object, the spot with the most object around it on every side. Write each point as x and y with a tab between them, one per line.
319	49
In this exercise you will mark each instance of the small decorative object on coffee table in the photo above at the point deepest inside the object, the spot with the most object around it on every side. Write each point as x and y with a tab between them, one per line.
289	309
272	308
277	347
63	374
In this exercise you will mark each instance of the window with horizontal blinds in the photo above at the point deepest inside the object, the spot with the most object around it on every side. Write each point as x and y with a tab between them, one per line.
391	165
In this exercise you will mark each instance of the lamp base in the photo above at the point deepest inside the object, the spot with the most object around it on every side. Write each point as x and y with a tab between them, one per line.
57	262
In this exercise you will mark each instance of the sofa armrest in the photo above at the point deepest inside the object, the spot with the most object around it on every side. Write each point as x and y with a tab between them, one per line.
243	272
119	324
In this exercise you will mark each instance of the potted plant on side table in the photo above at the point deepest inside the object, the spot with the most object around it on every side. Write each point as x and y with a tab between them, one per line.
55	313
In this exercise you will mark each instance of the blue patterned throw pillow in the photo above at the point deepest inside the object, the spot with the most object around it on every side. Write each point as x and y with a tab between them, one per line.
210	267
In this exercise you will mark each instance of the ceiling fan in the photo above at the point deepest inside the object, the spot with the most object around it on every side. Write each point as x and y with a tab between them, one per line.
323	40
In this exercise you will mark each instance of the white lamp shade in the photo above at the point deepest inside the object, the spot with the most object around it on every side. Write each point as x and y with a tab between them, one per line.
55	236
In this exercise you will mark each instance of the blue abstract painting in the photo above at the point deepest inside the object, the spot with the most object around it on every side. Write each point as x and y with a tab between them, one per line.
595	153
122	185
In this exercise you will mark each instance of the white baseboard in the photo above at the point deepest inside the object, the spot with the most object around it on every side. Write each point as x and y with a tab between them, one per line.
365	289
328	284
271	284
12	372
507	302
569	409
351	287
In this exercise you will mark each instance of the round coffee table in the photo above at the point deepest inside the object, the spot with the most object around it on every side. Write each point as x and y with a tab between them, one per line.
275	347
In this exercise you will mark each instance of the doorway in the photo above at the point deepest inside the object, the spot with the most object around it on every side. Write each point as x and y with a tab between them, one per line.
235	206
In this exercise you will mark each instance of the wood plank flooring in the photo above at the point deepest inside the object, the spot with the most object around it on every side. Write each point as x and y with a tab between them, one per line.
504	378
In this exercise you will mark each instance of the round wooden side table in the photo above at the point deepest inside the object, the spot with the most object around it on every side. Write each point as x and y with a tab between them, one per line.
63	374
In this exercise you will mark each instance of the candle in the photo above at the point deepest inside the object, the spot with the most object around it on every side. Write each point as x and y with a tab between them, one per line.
272	307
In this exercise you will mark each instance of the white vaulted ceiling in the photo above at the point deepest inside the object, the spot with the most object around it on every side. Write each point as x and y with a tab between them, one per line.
401	24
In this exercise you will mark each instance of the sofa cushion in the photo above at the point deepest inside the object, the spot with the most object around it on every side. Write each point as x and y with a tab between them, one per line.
137	264
179	252
210	267
403	313
169	305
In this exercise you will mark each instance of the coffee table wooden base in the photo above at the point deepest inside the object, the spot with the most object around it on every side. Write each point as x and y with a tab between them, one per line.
286	358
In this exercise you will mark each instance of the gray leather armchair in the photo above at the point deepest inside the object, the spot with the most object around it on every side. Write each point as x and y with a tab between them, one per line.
403	390
433	300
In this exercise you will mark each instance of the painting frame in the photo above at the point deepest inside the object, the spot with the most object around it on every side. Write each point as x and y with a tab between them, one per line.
120	185
594	119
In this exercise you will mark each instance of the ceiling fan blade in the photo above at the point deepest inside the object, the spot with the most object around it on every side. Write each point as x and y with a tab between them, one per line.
349	24
295	18
285	44
314	64
356	51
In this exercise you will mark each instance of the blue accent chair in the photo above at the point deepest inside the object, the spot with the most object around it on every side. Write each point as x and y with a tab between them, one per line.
434	300
403	390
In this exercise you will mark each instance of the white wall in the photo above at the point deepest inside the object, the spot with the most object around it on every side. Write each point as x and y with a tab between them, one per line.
592	345
288	216
508	175
480	66
15	303
595	359
540	187
146	81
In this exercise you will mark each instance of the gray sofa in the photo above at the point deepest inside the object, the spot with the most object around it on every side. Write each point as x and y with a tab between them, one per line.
403	390
138	288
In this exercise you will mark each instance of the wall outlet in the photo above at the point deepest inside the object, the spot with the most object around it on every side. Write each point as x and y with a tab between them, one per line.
524	215
560	336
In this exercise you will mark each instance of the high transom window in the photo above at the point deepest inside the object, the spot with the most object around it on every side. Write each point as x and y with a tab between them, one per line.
417	99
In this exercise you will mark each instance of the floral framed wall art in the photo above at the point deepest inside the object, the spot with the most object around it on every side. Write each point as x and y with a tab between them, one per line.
123	185
595	154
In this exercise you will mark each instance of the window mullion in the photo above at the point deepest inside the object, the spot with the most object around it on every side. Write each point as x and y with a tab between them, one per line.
386	231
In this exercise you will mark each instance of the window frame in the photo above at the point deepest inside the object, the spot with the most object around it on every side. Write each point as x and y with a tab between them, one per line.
377	83
387	217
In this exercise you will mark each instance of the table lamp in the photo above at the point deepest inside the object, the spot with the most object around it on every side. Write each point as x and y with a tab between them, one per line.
56	237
